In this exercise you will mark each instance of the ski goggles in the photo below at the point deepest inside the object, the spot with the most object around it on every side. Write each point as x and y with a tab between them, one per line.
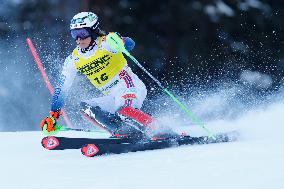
81	33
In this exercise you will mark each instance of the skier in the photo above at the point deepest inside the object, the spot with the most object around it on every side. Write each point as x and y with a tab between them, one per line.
118	110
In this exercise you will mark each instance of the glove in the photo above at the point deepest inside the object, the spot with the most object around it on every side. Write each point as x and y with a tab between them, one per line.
128	43
50	121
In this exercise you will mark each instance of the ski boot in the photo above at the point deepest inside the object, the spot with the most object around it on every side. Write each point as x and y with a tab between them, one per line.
146	124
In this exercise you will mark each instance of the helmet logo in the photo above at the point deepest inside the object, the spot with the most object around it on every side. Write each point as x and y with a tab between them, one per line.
91	17
78	20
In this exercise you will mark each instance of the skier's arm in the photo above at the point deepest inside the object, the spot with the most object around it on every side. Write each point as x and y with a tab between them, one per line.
66	79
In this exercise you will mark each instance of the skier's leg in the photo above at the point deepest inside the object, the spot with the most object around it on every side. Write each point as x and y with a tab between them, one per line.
100	118
130	97
108	121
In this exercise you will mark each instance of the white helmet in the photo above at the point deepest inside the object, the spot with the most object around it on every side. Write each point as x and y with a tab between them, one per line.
84	20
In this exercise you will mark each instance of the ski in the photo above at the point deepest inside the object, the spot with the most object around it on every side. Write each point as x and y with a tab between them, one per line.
94	147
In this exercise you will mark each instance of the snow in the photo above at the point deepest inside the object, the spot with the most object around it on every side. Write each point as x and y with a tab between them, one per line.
224	8
254	161
220	8
258	79
245	5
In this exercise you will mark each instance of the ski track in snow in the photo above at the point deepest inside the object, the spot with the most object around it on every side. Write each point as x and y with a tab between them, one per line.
254	161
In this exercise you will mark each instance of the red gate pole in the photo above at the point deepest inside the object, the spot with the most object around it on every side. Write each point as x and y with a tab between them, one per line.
45	78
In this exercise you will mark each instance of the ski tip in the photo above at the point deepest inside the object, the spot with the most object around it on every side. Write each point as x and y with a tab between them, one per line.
50	142
89	150
230	136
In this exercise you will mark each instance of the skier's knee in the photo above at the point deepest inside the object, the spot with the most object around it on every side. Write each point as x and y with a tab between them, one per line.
84	105
95	109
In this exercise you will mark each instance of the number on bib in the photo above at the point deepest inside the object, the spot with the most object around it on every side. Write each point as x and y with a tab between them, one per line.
103	77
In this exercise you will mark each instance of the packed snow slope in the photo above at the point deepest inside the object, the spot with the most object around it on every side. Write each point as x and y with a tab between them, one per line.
254	161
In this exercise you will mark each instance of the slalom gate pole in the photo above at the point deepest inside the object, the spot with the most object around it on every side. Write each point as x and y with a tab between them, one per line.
45	78
116	43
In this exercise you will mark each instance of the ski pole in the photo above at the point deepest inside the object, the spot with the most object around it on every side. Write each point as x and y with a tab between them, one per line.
59	128
116	43
45	77
62	128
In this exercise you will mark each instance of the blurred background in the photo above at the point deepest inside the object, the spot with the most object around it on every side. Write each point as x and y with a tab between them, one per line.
220	57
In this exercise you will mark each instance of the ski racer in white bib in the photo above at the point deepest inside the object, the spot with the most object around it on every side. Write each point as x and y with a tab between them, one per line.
118	111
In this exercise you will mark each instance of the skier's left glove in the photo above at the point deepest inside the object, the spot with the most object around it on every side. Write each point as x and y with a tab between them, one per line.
50	121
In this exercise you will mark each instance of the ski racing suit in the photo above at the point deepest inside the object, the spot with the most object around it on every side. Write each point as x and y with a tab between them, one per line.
107	70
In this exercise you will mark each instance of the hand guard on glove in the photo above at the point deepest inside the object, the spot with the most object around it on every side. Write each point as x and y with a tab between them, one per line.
50	121
115	41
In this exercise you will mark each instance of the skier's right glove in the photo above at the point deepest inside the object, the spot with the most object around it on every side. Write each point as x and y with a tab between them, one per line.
50	121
